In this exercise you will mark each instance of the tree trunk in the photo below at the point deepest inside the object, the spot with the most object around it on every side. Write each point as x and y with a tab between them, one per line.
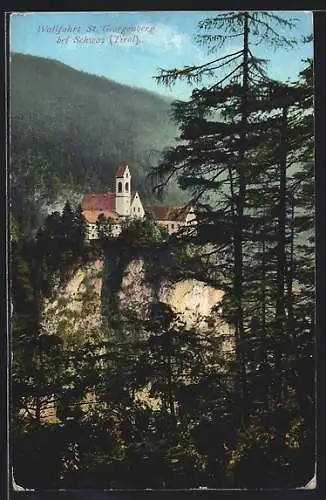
289	281
263	288
169	377
281	253
238	236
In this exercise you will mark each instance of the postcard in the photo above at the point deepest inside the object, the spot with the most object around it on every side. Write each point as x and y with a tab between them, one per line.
162	240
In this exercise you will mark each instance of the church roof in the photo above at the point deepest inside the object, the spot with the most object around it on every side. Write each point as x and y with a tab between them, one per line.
99	202
169	212
121	170
91	216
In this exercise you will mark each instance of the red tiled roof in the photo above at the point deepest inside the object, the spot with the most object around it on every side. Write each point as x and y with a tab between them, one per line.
102	202
99	202
121	170
91	216
168	213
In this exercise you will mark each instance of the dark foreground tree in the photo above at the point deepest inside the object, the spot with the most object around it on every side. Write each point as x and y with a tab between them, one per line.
238	148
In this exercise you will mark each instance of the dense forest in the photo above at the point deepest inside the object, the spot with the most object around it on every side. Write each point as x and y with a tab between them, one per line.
210	419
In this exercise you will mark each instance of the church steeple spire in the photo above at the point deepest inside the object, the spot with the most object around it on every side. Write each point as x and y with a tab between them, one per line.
123	190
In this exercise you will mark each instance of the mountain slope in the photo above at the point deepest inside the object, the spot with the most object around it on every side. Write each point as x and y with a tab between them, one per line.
70	129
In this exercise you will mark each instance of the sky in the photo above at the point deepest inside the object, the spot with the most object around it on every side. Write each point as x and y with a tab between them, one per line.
131	46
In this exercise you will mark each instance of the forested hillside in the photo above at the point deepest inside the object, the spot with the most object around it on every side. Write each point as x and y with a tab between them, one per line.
70	129
107	394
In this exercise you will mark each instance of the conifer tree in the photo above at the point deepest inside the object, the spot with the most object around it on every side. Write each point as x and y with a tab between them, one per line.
220	135
79	230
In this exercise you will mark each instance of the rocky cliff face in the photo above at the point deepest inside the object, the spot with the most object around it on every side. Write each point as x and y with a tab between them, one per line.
196	304
75	311
77	307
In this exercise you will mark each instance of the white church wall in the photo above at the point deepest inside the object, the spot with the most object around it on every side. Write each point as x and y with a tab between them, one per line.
137	209
123	193
91	231
126	206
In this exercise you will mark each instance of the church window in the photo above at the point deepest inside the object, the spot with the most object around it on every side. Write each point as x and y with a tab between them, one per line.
172	226
127	186
138	209
119	187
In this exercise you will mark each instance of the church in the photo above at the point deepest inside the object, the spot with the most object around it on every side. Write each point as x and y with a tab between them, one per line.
124	202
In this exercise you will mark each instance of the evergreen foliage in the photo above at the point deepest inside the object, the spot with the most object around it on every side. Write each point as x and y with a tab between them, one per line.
144	401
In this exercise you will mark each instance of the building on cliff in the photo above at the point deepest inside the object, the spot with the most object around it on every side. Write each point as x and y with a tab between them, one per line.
124	202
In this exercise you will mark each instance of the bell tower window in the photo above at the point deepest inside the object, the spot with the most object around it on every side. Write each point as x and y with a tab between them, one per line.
127	186
119	187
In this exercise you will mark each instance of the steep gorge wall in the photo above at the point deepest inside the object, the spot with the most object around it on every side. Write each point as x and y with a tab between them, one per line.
75	311
196	304
77	307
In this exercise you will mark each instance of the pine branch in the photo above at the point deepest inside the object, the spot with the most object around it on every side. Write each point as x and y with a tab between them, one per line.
168	77
219	83
224	21
227	62
270	35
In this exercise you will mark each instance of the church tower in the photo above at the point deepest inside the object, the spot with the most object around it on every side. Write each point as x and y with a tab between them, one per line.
123	190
